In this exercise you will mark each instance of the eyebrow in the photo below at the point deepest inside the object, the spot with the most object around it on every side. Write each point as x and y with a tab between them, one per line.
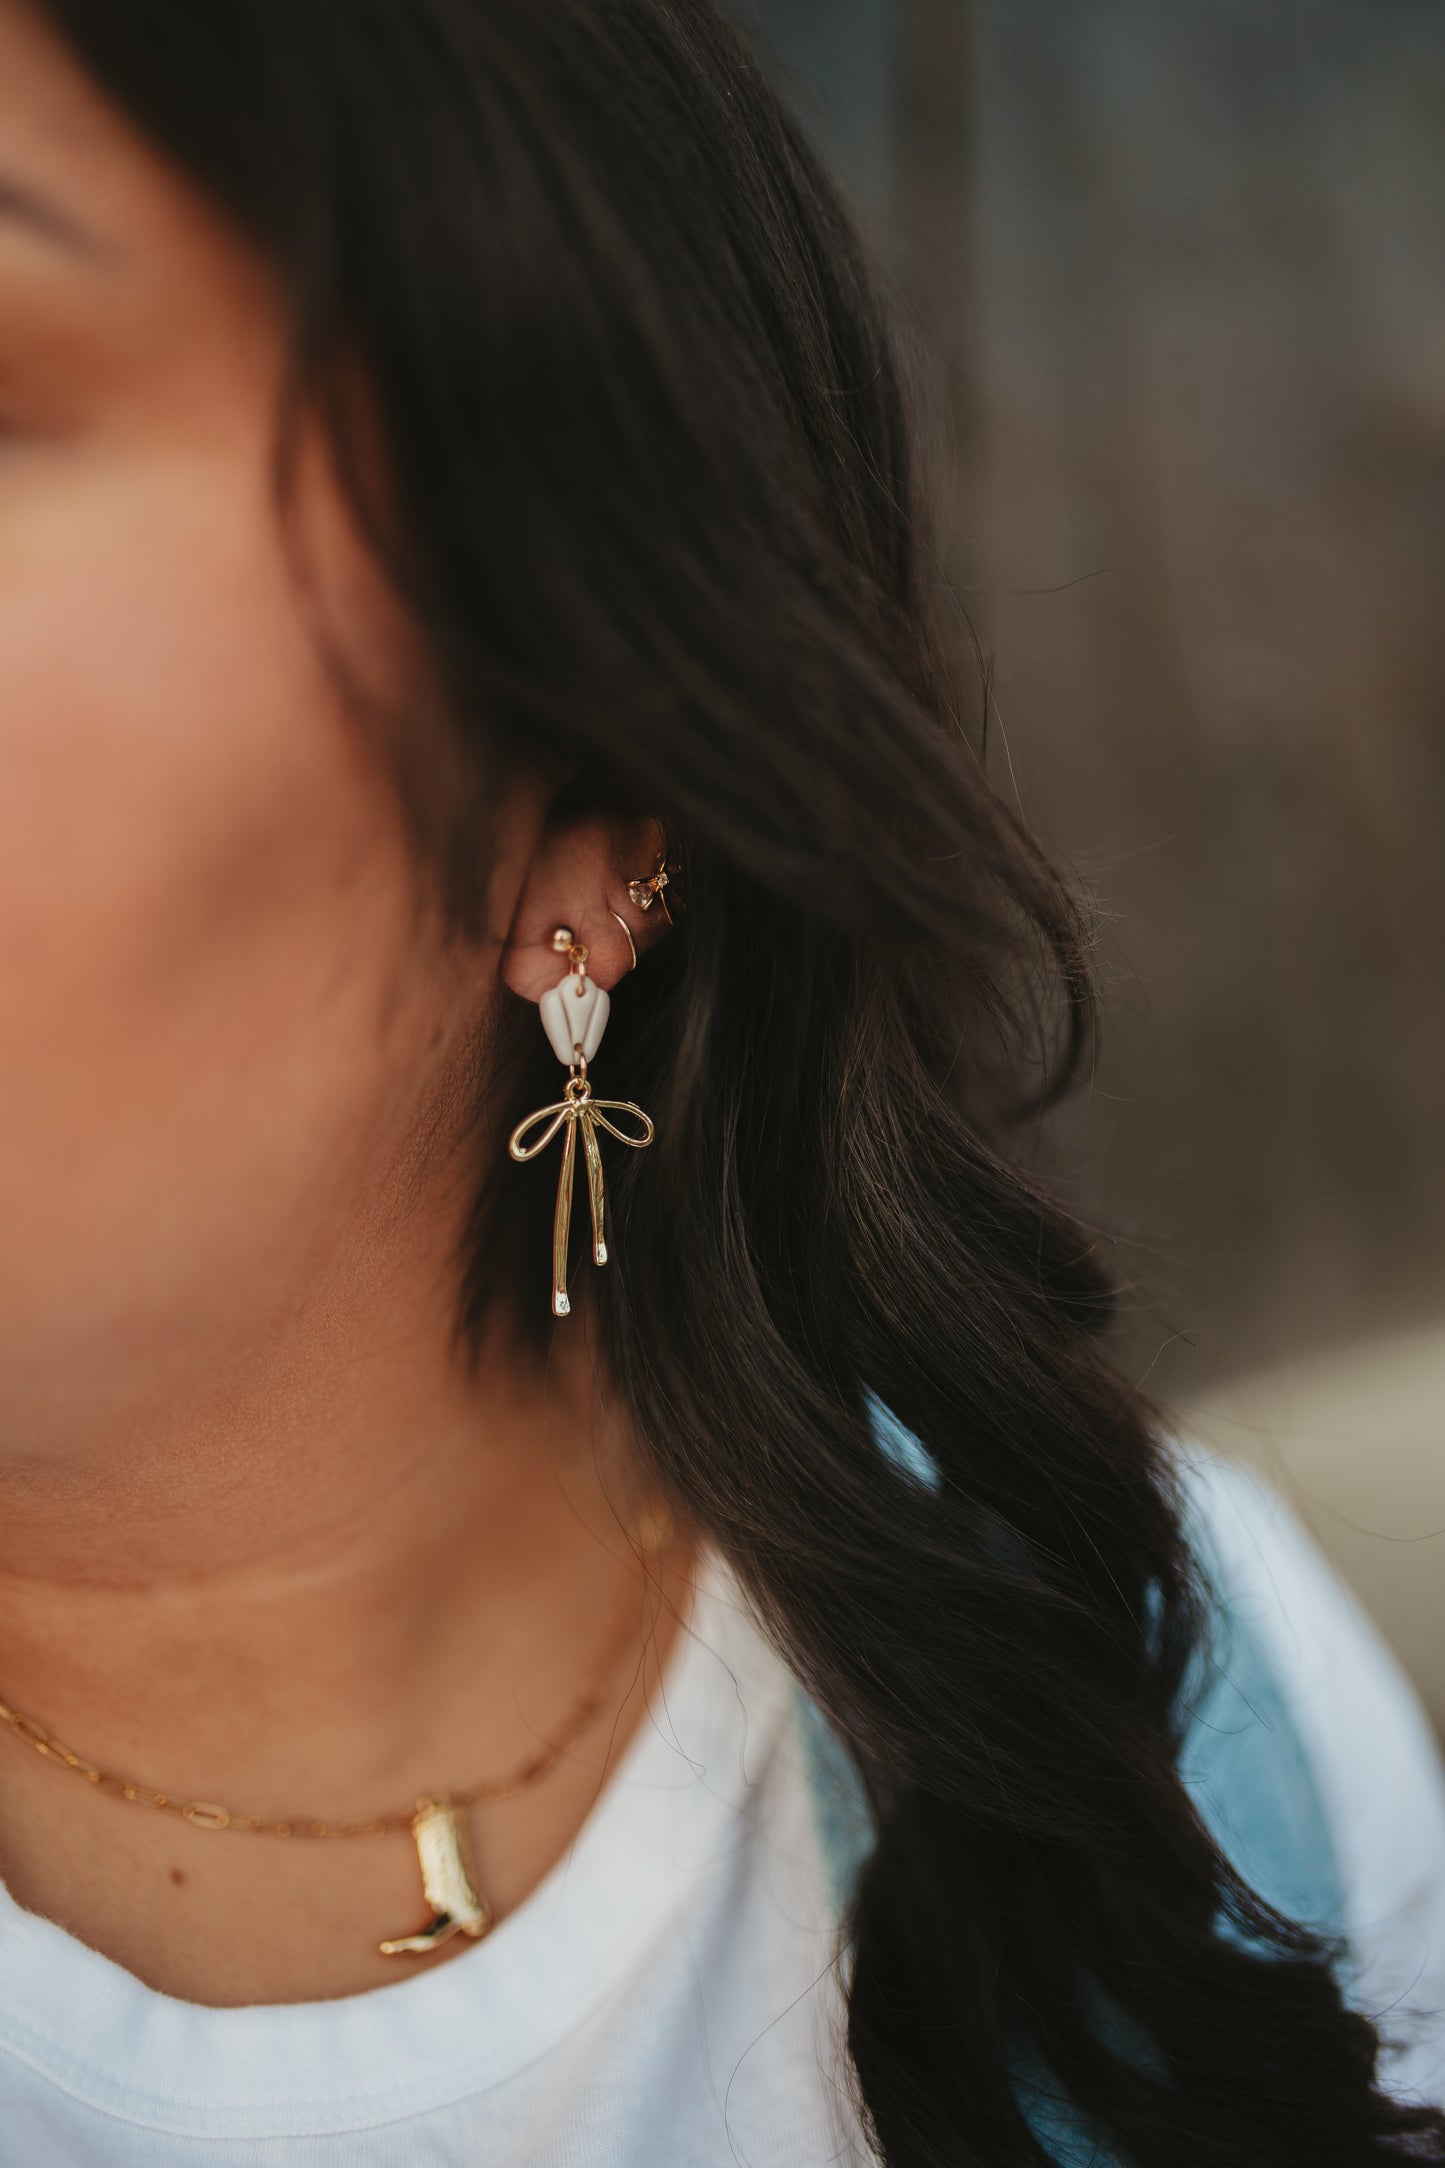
24	205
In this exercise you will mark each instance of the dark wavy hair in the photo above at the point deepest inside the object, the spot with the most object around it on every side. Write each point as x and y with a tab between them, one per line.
649	484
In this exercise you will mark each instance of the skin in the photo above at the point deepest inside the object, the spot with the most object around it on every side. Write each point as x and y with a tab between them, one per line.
262	1540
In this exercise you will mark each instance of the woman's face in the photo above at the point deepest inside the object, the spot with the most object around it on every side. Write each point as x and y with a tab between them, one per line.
213	1021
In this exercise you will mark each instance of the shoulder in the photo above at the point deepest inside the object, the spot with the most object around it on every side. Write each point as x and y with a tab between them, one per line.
1246	1751
1310	1757
1305	1750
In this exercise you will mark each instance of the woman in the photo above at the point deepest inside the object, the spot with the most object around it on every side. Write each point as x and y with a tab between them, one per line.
743	1678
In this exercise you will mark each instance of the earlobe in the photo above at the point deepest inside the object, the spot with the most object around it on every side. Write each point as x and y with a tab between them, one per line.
589	873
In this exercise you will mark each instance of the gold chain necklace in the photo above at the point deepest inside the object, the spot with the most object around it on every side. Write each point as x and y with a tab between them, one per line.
448	1880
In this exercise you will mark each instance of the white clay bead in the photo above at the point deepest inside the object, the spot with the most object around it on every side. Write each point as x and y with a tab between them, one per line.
575	1010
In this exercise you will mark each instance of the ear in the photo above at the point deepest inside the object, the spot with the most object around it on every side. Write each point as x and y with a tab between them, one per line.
578	877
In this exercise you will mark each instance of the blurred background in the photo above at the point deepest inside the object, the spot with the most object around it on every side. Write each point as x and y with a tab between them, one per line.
1180	269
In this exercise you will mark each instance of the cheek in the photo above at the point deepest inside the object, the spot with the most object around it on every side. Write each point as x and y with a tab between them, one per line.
203	888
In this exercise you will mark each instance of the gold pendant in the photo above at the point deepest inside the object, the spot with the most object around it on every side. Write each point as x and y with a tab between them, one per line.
457	1906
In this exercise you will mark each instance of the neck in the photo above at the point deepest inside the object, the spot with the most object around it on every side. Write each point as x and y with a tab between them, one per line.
336	1529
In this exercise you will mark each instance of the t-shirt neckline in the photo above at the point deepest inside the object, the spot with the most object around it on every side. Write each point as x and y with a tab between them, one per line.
419	2043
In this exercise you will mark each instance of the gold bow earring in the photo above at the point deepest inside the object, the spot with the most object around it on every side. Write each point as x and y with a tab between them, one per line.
574	1017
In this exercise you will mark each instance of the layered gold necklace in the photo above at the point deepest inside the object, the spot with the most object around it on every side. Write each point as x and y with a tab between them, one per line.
449	1884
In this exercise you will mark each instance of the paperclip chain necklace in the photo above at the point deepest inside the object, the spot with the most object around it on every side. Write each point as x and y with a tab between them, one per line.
448	1881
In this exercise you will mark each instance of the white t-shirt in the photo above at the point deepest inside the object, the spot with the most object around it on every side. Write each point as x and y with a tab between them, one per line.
662	1999
668	1997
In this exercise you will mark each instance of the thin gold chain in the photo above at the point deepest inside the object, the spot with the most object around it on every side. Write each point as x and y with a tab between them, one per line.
653	1534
